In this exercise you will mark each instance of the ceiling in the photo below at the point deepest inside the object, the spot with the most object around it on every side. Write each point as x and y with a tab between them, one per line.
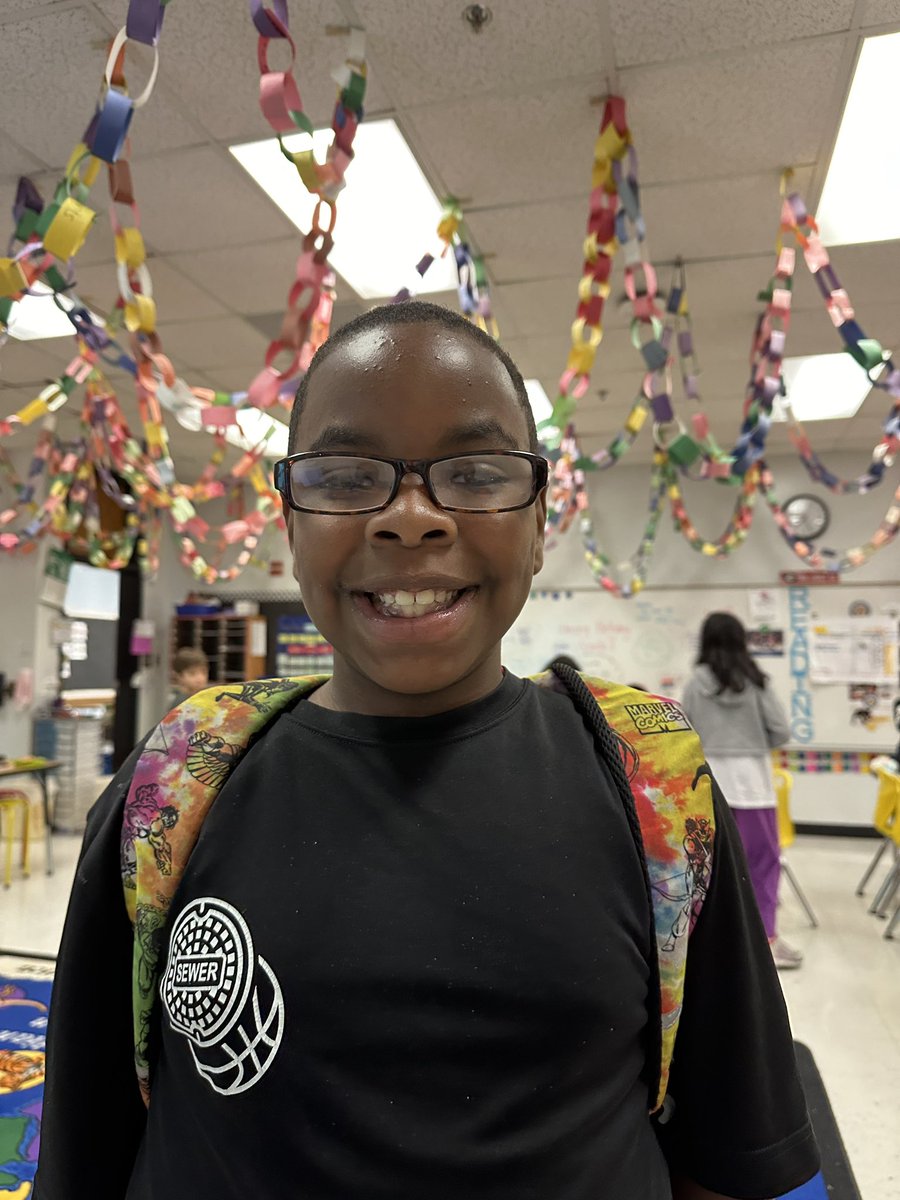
721	94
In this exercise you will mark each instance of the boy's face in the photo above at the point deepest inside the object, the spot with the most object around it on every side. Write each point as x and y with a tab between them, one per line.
194	679
414	392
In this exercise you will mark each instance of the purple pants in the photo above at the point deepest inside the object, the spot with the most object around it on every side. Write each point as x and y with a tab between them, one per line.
758	828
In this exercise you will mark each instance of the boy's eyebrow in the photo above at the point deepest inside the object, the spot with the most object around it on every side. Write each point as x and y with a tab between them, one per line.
345	437
480	429
487	430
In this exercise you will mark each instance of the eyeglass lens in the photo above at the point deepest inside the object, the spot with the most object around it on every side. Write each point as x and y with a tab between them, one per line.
471	482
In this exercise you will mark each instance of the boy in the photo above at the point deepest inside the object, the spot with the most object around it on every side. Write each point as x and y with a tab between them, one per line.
423	871
190	669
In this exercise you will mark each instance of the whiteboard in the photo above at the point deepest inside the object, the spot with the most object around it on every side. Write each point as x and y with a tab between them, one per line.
652	641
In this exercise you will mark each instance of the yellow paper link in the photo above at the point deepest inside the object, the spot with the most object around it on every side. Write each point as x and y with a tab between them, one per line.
610	143
154	435
636	419
12	278
257	479
602	175
130	248
68	229
307	169
592	249
36	408
140	315
581	360
588	287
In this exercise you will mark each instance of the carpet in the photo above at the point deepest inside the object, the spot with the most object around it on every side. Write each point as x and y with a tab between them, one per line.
25	985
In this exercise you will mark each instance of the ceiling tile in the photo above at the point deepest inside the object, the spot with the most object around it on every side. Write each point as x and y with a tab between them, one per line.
645	31
426	52
715	218
197	199
34	363
252	279
877	12
542	150
685	117
208	59
534	241
14	161
222	342
68	40
176	297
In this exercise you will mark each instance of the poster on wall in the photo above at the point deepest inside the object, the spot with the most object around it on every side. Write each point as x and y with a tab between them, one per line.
870	705
763	605
855	650
301	649
766	643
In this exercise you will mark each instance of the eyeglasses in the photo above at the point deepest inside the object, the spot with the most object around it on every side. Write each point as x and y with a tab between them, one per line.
492	481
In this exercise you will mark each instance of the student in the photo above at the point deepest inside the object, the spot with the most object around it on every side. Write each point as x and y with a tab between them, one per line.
739	718
190	672
428	868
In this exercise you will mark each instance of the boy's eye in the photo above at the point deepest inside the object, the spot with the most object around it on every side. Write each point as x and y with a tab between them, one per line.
347	479
478	476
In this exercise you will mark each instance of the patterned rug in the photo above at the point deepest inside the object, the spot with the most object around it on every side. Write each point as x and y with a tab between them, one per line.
25	985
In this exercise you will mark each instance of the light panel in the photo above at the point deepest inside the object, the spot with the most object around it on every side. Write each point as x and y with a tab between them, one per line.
387	215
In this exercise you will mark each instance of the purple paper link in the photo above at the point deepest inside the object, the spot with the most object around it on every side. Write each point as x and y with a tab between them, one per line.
691	387
403	294
662	407
424	263
776	343
892	383
666	339
259	14
27	196
685	342
798	208
484	306
144	21
88	136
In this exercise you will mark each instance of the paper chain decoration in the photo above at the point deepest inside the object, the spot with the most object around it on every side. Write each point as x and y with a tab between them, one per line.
47	235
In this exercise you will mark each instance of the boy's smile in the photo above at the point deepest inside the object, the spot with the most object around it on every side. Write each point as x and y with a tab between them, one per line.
414	598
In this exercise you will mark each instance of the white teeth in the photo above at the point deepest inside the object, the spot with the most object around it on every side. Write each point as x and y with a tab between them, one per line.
414	604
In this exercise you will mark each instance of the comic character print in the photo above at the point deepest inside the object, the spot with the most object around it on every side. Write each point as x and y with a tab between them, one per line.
147	819
258	692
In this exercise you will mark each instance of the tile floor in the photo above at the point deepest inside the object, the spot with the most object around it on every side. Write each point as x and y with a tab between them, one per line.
844	1001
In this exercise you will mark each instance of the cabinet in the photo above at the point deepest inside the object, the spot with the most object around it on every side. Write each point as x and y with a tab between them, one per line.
235	647
76	742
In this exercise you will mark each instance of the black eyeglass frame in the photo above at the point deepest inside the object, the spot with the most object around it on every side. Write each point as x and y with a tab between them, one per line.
540	472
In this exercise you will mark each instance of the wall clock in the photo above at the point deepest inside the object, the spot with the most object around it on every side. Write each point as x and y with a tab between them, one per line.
807	516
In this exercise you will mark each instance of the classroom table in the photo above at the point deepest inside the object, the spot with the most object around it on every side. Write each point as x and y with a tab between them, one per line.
9	770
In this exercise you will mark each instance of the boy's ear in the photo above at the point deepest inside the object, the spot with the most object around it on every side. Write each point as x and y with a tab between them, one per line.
540	516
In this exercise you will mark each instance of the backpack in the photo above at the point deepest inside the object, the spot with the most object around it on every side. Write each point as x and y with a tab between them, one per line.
648	744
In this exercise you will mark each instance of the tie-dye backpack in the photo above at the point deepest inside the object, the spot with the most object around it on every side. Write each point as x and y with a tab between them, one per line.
664	783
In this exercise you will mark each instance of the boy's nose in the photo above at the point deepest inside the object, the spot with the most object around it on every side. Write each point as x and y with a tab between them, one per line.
411	518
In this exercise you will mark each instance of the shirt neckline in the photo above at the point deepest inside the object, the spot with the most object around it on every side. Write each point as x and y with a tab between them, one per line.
456	723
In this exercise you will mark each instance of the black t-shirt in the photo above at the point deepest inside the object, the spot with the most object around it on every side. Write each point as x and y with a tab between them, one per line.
433	981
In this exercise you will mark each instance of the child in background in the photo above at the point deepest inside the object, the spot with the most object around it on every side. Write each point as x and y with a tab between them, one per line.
190	669
740	719
413	950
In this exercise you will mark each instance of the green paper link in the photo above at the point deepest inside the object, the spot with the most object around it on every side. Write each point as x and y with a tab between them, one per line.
301	120
26	225
867	352
55	279
354	93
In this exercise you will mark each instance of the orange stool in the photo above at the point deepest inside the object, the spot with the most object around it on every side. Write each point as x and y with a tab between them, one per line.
11	803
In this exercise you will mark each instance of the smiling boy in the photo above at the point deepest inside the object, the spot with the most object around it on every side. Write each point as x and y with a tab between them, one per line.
411	953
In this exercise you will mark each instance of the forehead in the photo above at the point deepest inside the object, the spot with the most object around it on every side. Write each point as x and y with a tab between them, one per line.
411	383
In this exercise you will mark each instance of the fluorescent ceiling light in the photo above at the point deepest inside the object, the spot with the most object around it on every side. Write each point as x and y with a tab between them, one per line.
37	317
823	387
540	404
387	215
252	426
861	197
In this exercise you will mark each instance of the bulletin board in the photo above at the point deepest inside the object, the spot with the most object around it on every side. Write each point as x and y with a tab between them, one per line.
652	641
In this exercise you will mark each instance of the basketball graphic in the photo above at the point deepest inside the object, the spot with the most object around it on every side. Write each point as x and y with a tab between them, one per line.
221	997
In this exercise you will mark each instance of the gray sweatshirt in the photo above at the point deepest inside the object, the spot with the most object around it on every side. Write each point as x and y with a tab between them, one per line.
747	722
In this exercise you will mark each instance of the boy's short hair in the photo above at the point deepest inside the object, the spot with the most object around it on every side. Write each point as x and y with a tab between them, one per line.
413	312
188	657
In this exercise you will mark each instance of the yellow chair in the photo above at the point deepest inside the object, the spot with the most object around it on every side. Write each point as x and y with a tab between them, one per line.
13	805
784	782
886	820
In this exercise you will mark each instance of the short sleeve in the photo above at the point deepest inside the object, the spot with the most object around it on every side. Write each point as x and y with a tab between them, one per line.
93	1116
739	1123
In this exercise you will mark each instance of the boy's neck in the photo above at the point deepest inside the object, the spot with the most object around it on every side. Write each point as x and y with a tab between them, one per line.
350	691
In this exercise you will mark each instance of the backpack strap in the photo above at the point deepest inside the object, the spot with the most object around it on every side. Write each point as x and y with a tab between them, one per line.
660	770
182	769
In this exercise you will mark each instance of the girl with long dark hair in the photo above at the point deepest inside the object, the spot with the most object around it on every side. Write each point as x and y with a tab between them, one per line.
729	702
